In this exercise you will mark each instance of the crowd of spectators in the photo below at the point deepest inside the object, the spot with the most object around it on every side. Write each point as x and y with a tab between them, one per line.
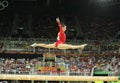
91	28
65	65
93	47
97	28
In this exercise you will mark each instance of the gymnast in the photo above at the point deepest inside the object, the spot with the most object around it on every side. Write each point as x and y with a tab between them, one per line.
61	34
61	39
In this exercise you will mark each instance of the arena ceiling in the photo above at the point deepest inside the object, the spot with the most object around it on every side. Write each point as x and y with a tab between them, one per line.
48	5
63	6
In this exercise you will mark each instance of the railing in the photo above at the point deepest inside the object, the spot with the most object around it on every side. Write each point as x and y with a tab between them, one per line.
51	73
46	40
30	41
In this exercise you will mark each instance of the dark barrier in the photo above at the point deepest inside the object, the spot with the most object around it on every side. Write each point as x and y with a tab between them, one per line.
7	55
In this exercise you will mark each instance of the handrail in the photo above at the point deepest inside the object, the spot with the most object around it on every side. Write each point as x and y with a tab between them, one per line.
56	73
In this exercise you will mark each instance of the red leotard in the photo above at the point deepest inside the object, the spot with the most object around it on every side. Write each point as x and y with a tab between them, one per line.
62	35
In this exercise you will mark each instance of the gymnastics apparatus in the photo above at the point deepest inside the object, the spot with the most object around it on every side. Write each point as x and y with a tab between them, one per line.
60	43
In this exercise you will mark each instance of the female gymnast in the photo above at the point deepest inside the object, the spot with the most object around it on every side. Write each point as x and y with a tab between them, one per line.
61	39
61	35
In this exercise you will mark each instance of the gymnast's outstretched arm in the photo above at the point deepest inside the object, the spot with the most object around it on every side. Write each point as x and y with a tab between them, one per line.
60	25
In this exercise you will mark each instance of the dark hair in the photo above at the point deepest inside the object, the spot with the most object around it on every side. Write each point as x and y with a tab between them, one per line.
63	25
